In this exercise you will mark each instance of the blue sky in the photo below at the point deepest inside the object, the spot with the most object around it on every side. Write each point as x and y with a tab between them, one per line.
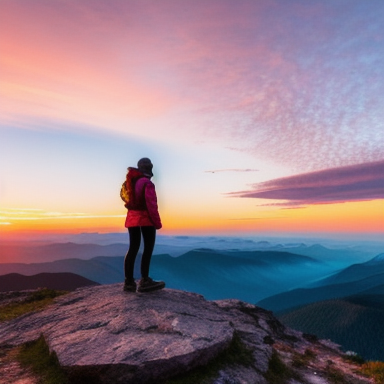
223	96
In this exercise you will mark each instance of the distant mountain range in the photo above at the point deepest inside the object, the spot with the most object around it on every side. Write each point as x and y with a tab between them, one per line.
347	307
305	292
61	281
355	279
30	252
248	276
275	280
244	275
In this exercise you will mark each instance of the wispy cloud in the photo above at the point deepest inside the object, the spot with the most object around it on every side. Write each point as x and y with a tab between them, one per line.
233	170
283	94
358	182
7	216
247	218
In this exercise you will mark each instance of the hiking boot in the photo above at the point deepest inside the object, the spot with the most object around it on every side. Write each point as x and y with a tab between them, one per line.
147	285
129	286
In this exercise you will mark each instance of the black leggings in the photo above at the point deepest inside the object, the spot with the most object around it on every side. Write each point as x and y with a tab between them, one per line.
149	237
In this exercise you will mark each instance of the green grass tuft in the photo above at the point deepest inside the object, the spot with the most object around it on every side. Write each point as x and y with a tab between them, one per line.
354	358
35	301
278	372
36	356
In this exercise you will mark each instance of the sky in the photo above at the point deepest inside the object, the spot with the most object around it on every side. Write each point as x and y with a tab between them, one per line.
260	117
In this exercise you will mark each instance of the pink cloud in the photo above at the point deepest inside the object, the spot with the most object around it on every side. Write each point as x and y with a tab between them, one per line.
74	60
286	83
289	82
358	182
233	170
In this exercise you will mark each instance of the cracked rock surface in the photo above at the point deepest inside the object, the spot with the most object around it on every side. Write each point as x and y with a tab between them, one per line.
105	327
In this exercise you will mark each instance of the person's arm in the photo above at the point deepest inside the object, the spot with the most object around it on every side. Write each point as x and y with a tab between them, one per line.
151	201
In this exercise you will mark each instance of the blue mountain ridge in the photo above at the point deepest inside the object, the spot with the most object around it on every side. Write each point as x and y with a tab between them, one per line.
36	252
244	275
355	272
302	296
247	275
351	280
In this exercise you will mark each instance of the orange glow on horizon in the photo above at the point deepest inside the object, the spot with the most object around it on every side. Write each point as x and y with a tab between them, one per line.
362	217
87	88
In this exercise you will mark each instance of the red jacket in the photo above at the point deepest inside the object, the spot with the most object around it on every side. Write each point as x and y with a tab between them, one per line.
150	215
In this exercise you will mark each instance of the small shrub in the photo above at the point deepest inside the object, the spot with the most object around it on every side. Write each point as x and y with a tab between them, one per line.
36	356
353	357
278	372
374	369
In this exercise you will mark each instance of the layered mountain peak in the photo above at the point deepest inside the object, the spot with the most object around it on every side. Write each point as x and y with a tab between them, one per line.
377	259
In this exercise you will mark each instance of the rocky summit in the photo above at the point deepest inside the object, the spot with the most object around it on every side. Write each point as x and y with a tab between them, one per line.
148	338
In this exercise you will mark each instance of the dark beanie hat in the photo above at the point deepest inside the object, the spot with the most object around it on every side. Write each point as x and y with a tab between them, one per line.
145	165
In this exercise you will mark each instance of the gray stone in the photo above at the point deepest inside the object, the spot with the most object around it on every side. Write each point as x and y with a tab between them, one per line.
107	328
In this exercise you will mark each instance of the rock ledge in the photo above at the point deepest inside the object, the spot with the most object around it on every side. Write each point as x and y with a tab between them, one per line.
122	337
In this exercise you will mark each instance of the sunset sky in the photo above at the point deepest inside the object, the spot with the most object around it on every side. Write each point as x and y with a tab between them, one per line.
261	117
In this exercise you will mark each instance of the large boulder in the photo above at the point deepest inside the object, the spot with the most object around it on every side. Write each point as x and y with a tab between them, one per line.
127	337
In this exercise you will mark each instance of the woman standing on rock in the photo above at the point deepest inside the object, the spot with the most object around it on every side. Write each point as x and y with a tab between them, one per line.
143	219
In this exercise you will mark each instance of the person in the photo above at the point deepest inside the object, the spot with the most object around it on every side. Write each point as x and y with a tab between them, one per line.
142	220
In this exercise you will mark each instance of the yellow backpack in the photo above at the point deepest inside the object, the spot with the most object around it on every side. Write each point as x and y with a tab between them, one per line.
124	193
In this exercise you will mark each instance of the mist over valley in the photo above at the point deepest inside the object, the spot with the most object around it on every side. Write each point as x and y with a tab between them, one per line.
286	277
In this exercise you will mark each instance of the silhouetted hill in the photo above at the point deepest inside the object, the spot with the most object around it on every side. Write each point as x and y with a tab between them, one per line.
61	281
58	251
377	290
298	297
354	322
104	270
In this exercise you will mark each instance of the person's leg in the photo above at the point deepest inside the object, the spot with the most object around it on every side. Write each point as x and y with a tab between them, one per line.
130	257
149	237
146	283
